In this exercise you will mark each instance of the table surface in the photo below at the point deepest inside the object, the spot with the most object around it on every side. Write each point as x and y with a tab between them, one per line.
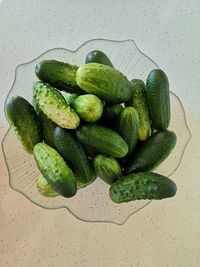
165	233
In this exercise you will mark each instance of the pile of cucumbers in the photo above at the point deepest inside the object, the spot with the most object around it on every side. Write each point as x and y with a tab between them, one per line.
91	121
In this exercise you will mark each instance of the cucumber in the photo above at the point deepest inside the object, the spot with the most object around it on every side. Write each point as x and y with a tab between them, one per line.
88	107
54	106
55	170
107	168
158	99
70	97
143	185
48	127
127	125
152	152
102	139
44	188
24	121
58	74
74	154
139	102
98	57
104	81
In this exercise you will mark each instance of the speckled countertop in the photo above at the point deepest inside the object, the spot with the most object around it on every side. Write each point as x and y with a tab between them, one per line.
165	233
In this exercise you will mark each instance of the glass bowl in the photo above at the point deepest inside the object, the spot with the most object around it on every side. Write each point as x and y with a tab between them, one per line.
92	203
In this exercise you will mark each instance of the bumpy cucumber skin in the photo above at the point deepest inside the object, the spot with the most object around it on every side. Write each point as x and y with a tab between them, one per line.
104	81
152	152
55	170
74	154
54	106
88	107
158	99
24	121
44	188
48	127
102	139
98	57
58	74
143	185
107	168
127	125
139	102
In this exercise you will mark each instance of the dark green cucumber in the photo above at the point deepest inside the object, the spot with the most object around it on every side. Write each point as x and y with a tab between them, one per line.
127	125
74	154
104	81
107	168
54	106
48	127
152	152
158	99
55	170
143	185
58	74
98	57
24	121
88	107
102	139
139	102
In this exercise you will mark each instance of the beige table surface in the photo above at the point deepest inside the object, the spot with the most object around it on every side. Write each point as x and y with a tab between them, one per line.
165	233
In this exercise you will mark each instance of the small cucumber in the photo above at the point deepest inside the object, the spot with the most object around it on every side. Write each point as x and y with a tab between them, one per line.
55	170
24	121
158	99
88	107
127	125
143	185
54	106
107	168
98	57
44	188
74	154
58	74
104	81
152	152
102	139
139	102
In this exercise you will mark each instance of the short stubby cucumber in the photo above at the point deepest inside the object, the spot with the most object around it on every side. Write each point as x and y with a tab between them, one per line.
104	81
24	121
44	188
102	139
58	74
74	154
54	106
152	152
139	102
88	107
98	57
143	185
107	168
158	99
127	126
55	170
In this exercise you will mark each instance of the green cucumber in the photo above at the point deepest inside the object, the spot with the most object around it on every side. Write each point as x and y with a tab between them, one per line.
88	107
98	57
158	99
58	74
143	185
44	188
54	106
107	168
152	152
104	81
55	170
74	154
127	125
24	121
139	102
102	139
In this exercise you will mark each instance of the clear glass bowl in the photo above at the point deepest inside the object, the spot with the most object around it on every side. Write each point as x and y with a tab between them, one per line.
92	203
